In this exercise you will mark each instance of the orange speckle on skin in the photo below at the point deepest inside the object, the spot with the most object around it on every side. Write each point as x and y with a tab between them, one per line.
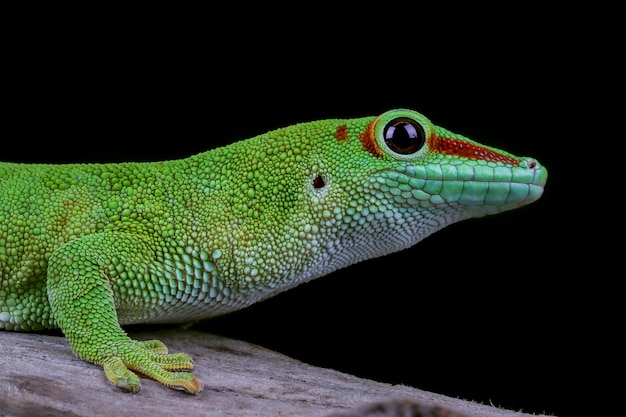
341	133
459	147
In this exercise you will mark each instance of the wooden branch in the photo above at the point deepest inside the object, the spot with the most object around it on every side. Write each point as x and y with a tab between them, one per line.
40	376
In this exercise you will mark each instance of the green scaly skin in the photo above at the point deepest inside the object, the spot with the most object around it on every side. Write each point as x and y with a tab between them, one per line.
88	248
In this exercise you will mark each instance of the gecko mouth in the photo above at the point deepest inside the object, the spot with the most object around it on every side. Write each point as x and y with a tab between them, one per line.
491	187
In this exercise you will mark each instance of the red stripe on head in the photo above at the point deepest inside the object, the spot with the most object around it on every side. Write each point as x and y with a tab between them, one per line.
459	147
369	141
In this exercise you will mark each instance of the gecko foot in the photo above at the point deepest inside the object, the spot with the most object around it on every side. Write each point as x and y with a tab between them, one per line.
150	359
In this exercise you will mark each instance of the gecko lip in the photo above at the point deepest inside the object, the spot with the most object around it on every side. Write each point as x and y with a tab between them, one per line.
492	187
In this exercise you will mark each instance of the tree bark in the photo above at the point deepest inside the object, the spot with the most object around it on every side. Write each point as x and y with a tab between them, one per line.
40	376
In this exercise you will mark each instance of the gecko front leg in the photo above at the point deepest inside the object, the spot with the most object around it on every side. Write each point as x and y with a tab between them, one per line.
82	301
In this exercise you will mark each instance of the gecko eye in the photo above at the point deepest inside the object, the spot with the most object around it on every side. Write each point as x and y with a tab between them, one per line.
404	136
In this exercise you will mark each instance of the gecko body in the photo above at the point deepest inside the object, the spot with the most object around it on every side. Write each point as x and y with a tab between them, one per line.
88	248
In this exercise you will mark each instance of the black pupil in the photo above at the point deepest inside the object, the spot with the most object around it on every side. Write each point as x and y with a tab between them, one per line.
404	136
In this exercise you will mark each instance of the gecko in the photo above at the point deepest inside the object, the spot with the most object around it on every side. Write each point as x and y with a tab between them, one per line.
88	248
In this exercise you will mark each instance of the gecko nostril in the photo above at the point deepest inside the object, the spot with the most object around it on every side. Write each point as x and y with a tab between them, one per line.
530	163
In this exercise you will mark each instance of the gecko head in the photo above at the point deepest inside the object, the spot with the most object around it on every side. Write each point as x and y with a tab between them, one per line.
385	183
426	166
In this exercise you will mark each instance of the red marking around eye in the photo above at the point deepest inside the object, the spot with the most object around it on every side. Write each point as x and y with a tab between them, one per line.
459	147
368	141
342	133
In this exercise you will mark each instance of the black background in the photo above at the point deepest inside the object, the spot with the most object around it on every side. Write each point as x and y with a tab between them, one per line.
487	309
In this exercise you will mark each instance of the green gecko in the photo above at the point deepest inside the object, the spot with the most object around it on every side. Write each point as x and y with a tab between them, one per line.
89	248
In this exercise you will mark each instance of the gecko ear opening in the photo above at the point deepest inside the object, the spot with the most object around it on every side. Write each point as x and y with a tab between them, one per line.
318	182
